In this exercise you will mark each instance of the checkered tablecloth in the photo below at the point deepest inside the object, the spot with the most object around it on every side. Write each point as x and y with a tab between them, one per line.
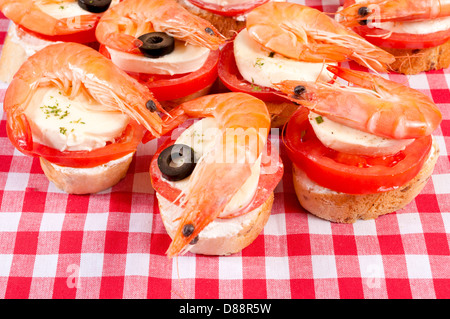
112	244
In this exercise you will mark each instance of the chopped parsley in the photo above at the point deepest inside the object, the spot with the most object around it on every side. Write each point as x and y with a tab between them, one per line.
319	119
79	121
259	62
55	110
255	88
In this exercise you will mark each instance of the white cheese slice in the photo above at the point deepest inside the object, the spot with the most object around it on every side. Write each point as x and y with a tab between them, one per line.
349	140
66	9
202	137
76	124
185	58
260	66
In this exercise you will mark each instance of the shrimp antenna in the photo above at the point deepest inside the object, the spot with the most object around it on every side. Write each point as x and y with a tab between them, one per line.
321	70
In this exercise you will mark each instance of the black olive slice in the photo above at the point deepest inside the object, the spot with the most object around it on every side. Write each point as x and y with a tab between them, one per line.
156	44
94	6
176	162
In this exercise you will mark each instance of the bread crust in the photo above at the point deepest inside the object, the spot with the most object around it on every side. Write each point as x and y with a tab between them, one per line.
347	208
280	112
251	225
227	26
87	180
414	61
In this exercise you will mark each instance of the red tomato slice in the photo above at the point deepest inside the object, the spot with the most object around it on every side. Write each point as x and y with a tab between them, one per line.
402	40
78	37
271	174
377	37
170	87
123	145
351	174
233	80
228	10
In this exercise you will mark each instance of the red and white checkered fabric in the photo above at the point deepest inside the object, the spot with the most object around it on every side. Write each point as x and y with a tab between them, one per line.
112	244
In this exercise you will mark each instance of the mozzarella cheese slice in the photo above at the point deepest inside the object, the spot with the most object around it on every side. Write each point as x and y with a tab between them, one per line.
202	137
349	140
260	66
77	124
185	58
66	9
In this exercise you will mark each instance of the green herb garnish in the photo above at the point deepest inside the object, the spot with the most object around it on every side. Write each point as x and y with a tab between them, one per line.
319	119
259	62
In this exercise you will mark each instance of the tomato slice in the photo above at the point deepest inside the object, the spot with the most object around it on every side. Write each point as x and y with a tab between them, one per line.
86	36
402	40
123	145
347	173
170	87
230	10
229	75
271	173
395	40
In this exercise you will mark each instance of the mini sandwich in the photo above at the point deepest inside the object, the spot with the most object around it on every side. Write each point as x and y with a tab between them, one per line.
417	33
80	115
289	41
37	24
215	198
359	151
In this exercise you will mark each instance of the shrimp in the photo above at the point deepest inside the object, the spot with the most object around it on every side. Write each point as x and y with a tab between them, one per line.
374	104
394	10
121	25
77	69
303	33
214	180
28	14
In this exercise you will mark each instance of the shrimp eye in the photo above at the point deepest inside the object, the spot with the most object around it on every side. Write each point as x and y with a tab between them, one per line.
94	6
209	31
151	106
299	90
194	241
188	229
176	162
363	11
156	44
363	22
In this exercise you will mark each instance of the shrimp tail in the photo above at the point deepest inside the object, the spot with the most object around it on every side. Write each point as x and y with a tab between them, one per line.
22	138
